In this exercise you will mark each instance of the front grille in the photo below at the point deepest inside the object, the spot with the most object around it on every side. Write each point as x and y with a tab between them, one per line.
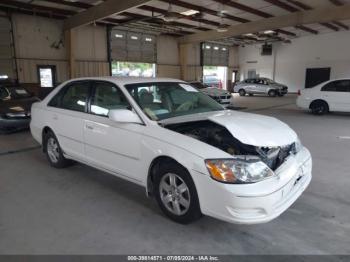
225	97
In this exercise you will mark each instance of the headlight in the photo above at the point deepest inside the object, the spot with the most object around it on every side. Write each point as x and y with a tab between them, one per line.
240	170
298	146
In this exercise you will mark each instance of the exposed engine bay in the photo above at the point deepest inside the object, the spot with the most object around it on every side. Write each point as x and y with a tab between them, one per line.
219	137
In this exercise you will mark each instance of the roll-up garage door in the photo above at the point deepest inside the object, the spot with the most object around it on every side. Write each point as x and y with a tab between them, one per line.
7	63
214	54
128	46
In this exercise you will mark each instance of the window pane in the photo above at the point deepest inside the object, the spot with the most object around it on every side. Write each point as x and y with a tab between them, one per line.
75	97
330	87
107	96
342	86
3	93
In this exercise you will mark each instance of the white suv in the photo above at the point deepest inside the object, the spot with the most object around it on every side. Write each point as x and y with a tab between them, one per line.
333	95
190	153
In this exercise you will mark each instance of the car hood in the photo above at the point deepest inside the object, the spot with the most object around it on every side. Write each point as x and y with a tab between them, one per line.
17	105
250	129
212	91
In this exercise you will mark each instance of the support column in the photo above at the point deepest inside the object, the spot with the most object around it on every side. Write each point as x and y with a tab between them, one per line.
70	47
183	52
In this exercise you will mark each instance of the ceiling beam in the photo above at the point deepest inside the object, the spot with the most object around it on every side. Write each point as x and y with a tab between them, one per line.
307	7
39	8
336	2
215	13
321	15
101	11
163	11
291	9
205	10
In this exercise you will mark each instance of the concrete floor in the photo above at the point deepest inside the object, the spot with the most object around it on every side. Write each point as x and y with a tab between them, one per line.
80	210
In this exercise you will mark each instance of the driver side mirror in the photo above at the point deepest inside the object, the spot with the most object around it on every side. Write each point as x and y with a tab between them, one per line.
124	116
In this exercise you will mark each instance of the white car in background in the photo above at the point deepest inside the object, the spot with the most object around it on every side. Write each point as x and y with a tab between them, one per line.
190	153
333	95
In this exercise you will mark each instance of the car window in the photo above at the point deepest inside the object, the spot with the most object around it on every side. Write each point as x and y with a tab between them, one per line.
170	99
3	93
337	86
72	97
107	97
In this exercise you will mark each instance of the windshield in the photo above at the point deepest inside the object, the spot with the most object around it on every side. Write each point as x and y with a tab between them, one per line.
18	92
170	99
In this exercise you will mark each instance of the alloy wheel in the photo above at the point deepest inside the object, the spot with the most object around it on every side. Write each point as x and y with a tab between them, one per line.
53	150
174	194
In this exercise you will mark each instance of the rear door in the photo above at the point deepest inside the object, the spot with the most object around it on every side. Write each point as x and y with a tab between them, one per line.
67	111
337	95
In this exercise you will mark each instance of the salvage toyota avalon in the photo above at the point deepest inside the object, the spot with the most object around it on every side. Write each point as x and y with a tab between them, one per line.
192	155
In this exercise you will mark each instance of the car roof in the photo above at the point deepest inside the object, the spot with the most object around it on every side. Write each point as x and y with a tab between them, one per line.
125	80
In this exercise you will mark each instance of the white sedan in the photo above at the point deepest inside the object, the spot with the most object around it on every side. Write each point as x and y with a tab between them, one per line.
330	96
188	152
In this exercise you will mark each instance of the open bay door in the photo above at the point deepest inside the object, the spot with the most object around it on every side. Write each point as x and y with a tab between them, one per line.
214	59
7	61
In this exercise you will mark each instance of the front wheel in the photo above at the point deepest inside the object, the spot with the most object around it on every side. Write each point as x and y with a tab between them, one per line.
242	92
54	152
272	93
176	194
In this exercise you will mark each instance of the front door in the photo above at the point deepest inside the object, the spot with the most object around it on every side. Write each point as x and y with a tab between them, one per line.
337	95
108	144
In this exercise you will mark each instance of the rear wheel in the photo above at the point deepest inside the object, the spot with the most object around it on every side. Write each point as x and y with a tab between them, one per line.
176	193
272	93
319	107
54	152
242	92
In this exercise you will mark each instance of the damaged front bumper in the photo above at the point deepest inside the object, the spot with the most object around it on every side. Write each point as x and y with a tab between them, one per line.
258	202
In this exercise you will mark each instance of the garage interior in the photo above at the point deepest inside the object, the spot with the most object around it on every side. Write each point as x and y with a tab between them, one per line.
81	210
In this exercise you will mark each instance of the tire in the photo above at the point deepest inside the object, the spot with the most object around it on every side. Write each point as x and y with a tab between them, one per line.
181	207
272	93
319	107
53	151
242	92
280	95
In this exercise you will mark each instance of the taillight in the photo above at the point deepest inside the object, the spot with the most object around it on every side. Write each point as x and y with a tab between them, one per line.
299	92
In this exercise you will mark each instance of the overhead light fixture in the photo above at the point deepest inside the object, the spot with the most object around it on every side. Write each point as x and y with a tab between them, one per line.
148	39
118	36
250	34
134	37
170	16
222	28
269	32
190	12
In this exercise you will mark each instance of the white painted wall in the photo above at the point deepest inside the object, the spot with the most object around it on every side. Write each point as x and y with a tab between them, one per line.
291	60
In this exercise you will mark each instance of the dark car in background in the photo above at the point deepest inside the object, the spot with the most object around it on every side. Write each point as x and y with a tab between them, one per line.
15	105
219	95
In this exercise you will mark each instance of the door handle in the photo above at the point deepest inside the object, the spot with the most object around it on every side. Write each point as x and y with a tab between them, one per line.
89	127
